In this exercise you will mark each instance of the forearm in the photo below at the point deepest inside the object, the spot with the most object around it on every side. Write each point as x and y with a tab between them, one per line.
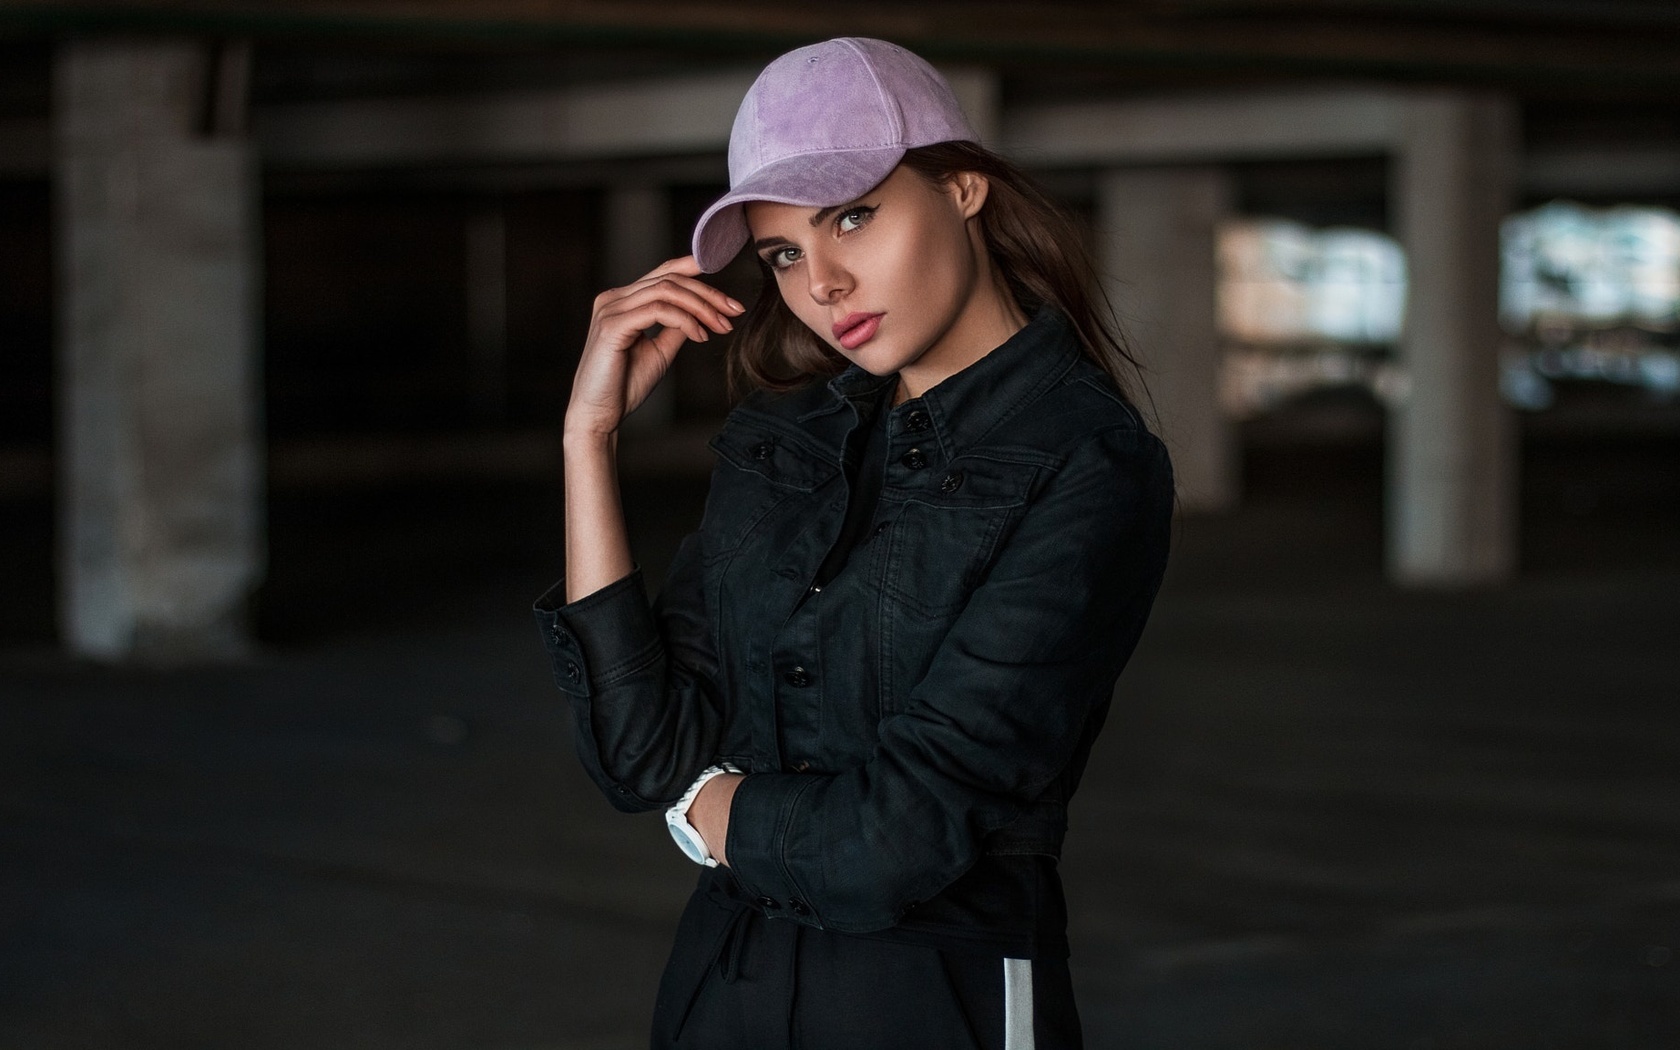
597	542
634	333
641	679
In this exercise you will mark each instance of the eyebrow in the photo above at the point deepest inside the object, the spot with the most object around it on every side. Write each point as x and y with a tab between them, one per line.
816	220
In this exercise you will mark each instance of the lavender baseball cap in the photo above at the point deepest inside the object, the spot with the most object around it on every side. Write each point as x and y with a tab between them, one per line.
823	125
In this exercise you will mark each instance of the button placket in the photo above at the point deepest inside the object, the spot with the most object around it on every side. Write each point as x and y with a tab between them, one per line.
797	677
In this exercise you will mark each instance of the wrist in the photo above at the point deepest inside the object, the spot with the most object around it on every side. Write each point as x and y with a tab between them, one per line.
684	818
710	813
587	439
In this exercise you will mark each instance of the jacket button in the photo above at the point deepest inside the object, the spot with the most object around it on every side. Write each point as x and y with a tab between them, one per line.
762	450
799	907
882	527
952	482
560	635
769	904
914	459
573	671
916	421
797	677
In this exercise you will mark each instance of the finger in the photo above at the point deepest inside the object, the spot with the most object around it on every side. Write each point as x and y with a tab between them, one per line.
691	295
640	316
666	342
724	303
692	299
687	265
684	266
622	329
658	312
719	299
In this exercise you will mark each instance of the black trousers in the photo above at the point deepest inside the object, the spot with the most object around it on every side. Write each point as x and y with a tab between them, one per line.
737	980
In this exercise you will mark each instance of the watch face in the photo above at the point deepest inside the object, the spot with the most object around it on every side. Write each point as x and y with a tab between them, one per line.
690	842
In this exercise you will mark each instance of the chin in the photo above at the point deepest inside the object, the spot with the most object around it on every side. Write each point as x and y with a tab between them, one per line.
881	360
879	370
882	370
863	359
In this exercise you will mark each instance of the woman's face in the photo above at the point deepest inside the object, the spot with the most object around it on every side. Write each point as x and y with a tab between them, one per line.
896	281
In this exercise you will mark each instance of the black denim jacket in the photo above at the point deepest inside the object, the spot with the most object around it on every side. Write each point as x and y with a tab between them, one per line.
932	708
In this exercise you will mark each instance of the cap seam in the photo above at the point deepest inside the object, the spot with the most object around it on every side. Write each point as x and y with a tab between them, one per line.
830	149
893	113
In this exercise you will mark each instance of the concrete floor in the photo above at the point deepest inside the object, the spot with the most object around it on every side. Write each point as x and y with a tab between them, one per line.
1324	814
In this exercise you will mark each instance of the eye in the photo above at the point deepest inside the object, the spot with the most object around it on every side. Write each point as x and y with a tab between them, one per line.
852	218
781	258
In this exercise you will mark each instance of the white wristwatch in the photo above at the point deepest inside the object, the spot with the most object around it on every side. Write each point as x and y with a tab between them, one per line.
676	818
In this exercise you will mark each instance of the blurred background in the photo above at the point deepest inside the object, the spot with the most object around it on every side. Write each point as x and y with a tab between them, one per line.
290	295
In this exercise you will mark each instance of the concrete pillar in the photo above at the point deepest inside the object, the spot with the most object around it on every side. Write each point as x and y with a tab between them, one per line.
1157	230
1452	463
638	233
160	496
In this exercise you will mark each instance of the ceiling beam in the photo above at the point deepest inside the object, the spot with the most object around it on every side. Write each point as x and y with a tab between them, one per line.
1346	38
1210	128
587	135
680	115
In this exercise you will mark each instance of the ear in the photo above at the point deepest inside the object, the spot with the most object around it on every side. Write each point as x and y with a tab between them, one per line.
968	190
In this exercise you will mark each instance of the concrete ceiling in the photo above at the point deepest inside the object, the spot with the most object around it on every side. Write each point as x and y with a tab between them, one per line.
1569	48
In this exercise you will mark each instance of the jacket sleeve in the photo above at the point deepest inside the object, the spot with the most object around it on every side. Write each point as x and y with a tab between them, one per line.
641	681
1024	674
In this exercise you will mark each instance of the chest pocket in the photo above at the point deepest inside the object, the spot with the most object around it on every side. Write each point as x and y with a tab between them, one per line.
947	527
758	470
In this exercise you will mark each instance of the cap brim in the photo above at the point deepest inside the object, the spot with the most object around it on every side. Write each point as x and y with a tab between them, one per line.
818	180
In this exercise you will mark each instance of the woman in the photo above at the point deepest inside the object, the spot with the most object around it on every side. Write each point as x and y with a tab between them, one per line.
934	532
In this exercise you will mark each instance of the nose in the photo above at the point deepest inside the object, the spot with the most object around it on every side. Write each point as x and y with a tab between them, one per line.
830	281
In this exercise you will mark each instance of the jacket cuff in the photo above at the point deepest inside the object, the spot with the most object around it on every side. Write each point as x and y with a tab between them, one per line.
759	816
599	638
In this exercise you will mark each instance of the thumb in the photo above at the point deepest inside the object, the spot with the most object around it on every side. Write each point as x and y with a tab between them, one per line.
667	342
650	366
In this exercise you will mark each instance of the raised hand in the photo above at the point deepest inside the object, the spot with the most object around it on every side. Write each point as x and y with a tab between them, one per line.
623	358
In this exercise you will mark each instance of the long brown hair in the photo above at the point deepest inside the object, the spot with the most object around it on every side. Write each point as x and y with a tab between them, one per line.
1037	248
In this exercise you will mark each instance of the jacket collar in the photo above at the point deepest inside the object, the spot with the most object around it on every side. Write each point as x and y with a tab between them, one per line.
964	407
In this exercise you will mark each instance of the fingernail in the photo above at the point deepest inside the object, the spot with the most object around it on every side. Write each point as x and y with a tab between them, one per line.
733	305
727	327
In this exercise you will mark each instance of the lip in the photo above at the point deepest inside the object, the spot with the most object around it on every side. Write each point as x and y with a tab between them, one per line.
857	329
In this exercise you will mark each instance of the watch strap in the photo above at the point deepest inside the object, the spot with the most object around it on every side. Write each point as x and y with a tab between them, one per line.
676	817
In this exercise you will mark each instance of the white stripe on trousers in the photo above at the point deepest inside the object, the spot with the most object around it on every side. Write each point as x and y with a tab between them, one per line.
1017	1004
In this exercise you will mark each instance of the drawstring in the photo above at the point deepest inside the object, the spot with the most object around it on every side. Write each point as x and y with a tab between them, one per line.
734	945
793	1039
726	957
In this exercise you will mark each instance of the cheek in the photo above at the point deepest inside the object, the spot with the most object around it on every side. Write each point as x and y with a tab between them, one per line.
943	264
908	263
